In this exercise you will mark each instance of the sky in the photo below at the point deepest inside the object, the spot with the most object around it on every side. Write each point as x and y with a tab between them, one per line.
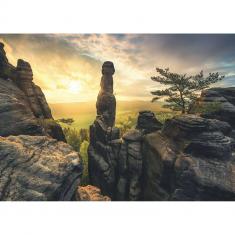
68	66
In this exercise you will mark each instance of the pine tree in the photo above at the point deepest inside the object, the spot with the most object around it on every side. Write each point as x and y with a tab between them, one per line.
182	90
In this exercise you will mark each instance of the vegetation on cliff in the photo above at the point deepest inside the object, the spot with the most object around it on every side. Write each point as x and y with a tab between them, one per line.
182	90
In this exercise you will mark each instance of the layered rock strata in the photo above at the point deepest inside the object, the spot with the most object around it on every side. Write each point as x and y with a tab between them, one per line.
190	159
115	164
103	148
217	103
37	168
23	106
147	122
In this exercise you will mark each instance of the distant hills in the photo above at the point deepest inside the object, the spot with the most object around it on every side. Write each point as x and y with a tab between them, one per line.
75	110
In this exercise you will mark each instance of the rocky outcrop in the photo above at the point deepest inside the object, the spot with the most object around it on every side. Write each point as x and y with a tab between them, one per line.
106	101
90	193
130	167
115	164
36	98
217	103
16	115
190	159
102	151
35	168
147	122
23	106
102	156
6	69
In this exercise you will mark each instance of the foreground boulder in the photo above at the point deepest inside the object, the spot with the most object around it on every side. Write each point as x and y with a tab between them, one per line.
190	159
37	168
90	193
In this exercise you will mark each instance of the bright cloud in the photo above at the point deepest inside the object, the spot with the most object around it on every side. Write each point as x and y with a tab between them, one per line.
67	67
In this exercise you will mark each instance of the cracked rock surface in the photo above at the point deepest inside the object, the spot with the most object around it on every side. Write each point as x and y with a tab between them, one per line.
35	168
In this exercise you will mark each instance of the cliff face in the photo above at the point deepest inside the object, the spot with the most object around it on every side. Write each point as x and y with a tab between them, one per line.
23	106
34	165
190	159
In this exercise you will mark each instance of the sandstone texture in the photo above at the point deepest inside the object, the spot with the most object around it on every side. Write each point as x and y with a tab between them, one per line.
37	168
190	159
217	103
147	122
106	101
23	106
90	193
115	163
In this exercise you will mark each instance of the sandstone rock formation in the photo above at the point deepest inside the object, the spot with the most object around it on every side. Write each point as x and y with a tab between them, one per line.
103	150
6	69
190	159
115	164
102	156
106	102
23	106
16	115
147	122
35	168
36	98
217	103
130	167
90	193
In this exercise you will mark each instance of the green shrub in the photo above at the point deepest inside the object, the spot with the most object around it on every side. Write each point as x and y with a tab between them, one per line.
163	116
84	155
206	108
73	138
78	139
125	123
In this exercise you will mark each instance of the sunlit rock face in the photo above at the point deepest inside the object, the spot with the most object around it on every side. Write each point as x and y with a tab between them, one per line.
23	106
38	168
190	159
34	94
90	193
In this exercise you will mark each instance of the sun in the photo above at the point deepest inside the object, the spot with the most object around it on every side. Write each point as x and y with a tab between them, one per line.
74	86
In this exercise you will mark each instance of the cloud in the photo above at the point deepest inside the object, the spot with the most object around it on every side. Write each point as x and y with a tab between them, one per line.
59	59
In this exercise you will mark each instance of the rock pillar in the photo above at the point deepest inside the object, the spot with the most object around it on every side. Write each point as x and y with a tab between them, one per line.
104	137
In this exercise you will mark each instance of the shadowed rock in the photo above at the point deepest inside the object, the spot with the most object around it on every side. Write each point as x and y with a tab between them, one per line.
217	103
130	167
6	69
104	137
147	122
191	159
35	168
106	102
